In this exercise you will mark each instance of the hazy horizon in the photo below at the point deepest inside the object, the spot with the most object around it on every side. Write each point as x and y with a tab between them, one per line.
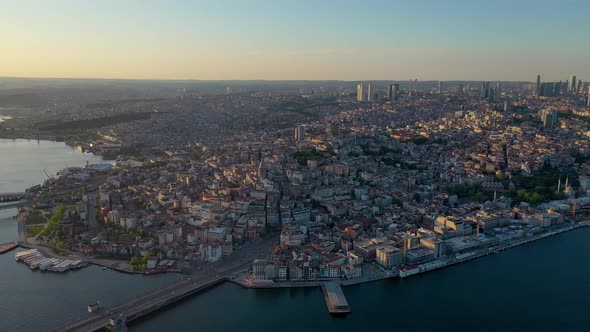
295	40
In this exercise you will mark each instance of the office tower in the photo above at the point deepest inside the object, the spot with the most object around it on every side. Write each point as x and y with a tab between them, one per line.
506	107
538	86
498	88
369	93
299	133
579	87
389	91
556	89
461	88
360	92
549	118
485	90
541	92
394	92
548	89
440	87
572	83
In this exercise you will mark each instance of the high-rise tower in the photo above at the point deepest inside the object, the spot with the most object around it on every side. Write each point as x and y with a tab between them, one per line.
572	83
360	92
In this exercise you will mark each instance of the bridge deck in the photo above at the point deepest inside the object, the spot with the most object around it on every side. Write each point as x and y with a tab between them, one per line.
139	306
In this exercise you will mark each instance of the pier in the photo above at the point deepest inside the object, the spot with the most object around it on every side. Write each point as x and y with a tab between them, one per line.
117	317
335	299
6	247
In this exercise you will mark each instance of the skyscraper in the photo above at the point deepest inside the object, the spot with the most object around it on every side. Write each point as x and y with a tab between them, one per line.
557	89
547	89
360	92
572	83
394	92
538	86
369	93
485	90
549	118
440	87
299	133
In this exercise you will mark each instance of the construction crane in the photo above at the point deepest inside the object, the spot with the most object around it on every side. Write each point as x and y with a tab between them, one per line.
47	174
49	180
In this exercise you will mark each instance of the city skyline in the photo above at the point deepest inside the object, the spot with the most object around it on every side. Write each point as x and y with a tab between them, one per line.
286	40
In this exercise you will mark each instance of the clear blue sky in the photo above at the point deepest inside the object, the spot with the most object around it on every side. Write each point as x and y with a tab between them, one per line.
304	39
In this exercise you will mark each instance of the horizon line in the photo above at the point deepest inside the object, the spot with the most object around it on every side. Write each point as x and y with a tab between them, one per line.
254	80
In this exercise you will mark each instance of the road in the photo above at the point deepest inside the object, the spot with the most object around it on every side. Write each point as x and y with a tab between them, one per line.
91	210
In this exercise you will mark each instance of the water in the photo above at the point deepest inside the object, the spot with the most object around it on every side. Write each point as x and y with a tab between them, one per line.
22	162
543	286
39	301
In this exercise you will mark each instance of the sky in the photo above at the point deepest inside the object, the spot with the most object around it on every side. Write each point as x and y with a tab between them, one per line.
296	39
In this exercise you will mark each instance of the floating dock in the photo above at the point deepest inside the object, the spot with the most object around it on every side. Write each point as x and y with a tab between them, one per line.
6	247
35	259
335	299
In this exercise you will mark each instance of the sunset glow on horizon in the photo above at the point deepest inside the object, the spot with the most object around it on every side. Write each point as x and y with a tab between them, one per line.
300	40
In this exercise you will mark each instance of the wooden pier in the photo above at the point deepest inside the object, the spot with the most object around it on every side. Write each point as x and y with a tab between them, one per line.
6	247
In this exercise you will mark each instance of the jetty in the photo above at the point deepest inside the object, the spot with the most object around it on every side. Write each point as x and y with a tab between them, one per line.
6	247
335	299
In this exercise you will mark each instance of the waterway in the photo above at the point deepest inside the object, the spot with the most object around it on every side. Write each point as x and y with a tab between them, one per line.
22	162
542	286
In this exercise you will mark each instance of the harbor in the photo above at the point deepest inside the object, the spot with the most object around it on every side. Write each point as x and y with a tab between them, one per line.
35	259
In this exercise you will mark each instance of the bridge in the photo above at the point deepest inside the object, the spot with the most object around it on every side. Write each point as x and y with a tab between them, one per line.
11	197
117	317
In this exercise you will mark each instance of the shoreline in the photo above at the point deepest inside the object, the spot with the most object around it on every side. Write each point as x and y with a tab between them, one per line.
351	282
